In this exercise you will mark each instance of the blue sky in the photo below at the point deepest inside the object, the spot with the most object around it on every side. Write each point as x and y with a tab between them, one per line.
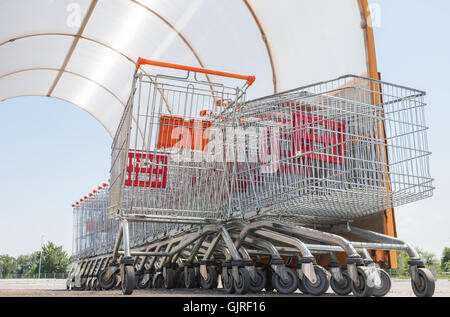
413	49
53	153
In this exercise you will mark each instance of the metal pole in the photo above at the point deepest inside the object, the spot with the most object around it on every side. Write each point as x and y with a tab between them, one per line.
40	258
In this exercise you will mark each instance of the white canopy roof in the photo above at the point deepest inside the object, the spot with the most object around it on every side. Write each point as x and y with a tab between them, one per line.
84	51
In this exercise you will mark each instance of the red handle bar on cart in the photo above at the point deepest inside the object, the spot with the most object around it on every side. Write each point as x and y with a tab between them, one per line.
142	61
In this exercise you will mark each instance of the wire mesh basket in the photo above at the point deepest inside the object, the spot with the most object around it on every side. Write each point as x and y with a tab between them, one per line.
94	232
161	170
332	151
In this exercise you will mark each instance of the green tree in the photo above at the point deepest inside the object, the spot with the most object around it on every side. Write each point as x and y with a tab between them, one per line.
54	260
26	262
403	258
8	265
402	264
427	257
445	260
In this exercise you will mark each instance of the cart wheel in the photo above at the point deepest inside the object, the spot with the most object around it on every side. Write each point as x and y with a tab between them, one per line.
95	285
107	284
258	283
228	286
150	281
128	279
385	286
159	281
118	285
302	288
211	281
198	278
344	287
99	288
181	283
140	282
269	285
285	287
242	287
321	285
425	286
361	289
190	279
171	279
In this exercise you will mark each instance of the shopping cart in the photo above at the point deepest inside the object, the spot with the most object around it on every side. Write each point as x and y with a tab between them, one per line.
333	152
93	232
161	171
204	183
92	226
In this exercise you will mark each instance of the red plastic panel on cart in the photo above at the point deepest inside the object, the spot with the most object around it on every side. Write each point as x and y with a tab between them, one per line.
328	147
146	170
176	133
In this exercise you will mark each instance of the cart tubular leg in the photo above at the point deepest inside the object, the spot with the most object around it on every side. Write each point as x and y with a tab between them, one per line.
117	245
228	257
353	257
307	258
415	262
196	248
335	267
263	244
206	257
246	257
126	238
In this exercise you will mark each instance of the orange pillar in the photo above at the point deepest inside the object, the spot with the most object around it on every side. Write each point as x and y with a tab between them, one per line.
388	215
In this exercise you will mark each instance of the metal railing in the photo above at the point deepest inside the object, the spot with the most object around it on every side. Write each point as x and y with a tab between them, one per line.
35	276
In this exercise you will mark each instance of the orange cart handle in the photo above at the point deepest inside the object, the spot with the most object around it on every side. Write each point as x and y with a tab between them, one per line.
142	61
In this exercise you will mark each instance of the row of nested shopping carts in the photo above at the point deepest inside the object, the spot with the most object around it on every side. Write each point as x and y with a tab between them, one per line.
208	189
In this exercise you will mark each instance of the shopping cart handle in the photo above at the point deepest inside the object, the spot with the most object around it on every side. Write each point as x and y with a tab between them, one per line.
142	61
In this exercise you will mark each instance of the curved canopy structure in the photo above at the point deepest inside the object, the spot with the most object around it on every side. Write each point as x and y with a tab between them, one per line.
84	51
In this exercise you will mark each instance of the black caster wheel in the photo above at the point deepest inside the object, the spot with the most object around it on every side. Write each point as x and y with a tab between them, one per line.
150	281
211	281
171	279
242	286
344	287
269	285
198	278
95	285
128	279
361	289
118	285
321	285
180	282
158	281
425	284
99	288
301	287
228	285
105	283
257	284
385	286
190	279
142	283
285	287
